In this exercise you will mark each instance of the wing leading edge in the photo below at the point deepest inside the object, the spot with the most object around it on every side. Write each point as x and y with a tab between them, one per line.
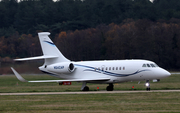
71	80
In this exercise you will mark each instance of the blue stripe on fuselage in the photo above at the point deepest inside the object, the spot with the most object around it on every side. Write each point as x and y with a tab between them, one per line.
110	73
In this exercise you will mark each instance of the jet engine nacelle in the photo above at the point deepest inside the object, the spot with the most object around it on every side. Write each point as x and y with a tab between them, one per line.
64	67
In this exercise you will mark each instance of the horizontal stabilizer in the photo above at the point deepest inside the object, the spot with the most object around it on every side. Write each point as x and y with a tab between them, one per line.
71	80
36	58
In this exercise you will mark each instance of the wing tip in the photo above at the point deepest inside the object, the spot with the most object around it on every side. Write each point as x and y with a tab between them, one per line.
19	77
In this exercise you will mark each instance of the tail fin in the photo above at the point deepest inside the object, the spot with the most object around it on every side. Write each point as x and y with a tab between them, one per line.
50	49
51	54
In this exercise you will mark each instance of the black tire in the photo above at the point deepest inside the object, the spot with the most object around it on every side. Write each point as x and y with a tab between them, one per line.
148	89
86	88
109	88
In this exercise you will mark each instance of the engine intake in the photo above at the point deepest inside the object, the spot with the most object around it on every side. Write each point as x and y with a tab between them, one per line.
64	67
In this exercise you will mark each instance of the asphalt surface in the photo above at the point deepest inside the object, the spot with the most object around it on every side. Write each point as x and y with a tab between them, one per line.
88	92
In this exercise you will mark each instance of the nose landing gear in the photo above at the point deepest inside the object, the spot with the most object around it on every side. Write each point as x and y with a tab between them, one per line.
147	85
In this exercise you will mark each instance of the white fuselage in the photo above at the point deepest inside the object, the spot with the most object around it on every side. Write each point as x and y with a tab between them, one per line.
117	70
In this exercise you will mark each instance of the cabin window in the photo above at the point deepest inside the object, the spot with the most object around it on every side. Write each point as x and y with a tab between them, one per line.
102	69
106	68
123	68
116	68
119	68
109	68
113	68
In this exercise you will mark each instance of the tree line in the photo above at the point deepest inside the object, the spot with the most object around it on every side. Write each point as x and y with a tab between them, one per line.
140	39
93	29
132	39
30	16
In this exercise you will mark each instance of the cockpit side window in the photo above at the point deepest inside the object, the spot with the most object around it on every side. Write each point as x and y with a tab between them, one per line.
148	65
144	65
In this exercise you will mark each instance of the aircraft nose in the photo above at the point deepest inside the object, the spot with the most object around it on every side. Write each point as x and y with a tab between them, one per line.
165	73
161	73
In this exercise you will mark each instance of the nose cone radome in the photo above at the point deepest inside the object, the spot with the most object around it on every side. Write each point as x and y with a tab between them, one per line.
167	73
163	73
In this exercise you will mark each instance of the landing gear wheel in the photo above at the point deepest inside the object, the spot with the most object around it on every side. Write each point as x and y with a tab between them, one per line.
148	89
110	87
86	88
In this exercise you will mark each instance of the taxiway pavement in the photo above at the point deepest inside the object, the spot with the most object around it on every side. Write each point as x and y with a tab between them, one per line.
88	92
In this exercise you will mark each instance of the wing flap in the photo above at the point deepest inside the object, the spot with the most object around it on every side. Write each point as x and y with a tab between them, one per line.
71	80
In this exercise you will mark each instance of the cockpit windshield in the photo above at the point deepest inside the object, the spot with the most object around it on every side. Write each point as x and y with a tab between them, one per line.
150	65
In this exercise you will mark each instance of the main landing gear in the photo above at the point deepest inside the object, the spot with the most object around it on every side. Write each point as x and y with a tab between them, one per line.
147	85
110	87
84	87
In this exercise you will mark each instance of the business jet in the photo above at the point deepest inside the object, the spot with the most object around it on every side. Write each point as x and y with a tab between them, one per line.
102	72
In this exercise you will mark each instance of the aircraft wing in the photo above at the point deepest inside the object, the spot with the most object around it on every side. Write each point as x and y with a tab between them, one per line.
71	80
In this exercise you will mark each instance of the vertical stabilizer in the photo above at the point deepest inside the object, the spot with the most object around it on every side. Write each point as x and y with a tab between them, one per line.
50	49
